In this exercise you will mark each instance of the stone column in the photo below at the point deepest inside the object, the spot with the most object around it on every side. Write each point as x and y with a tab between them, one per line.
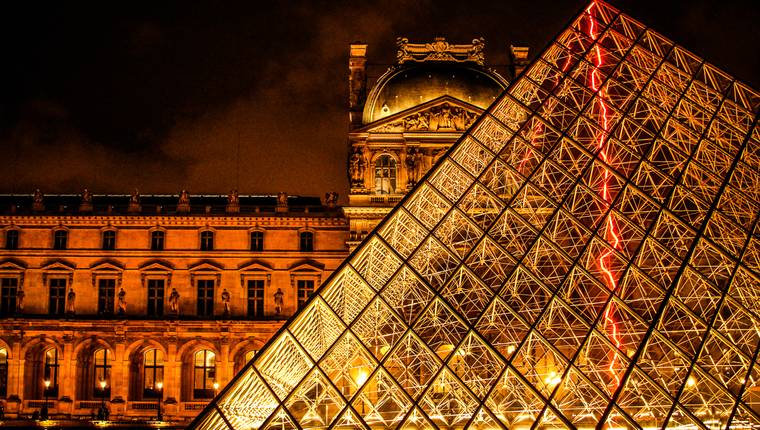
357	82
67	378
120	379
224	374
172	378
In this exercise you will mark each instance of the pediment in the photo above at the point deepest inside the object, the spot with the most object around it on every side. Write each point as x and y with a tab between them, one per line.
307	266
444	114
206	266
12	265
107	265
157	266
58	265
255	266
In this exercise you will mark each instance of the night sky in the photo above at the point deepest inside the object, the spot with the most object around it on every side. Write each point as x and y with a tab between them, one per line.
212	96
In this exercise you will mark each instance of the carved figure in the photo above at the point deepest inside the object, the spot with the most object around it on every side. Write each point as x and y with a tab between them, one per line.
37	201
184	198
226	302
233	198
71	298
134	198
278	295
20	294
354	167
122	296
403	53
282	199
331	199
413	161
38	196
174	301
86	196
362	166
444	120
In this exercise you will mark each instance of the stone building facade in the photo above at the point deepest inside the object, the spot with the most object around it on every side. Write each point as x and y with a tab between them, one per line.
133	291
403	121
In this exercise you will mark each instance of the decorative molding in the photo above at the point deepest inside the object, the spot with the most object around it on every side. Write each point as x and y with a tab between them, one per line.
440	50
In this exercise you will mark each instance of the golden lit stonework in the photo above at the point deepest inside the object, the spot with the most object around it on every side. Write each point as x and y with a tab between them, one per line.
586	255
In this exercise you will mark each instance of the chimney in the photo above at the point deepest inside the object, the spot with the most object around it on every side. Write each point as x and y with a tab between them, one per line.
357	82
518	56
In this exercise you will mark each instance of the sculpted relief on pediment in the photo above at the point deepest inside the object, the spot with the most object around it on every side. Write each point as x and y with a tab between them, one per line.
444	117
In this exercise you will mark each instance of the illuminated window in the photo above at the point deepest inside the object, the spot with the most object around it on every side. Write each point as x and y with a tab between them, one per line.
257	241
11	239
153	372
255	298
60	239
102	372
204	374
155	297
207	241
249	355
3	372
50	372
57	296
109	240
106	293
306	241
8	294
305	288
157	240
205	303
385	175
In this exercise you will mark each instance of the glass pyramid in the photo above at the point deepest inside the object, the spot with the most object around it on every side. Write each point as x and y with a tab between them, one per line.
588	254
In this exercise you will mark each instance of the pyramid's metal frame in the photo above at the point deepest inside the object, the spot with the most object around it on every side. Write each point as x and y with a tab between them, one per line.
588	254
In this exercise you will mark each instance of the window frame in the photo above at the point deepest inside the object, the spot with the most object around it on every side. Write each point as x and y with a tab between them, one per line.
154	240
60	239
157	301
108	240
60	300
258	310
12	244
4	356
303	294
209	375
385	171
154	369
205	305
50	371
206	240
308	245
9	294
105	367
256	245
107	307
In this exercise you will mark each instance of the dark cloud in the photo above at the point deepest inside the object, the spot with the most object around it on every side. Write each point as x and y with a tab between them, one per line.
214	95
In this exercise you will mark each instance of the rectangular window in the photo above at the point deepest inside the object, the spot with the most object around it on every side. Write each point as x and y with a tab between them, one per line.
106	292
57	296
157	240
257	241
11	239
8	294
109	240
205	297
60	239
305	288
207	241
306	242
155	297
255	298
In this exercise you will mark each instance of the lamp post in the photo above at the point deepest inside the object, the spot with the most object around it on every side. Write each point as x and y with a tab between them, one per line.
160	388
216	388
44	411
103	398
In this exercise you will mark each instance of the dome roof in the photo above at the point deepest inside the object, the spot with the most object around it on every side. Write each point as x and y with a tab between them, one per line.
411	85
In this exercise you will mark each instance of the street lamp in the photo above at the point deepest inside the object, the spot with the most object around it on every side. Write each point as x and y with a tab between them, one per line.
160	388
103	398
44	411
216	388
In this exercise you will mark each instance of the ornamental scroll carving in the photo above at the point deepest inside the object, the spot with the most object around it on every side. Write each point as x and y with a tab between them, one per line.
440	50
440	118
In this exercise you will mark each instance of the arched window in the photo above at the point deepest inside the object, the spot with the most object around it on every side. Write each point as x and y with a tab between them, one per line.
109	240
60	239
102	372
204	374
385	175
50	371
153	372
157	240
3	372
257	241
207	240
306	241
11	239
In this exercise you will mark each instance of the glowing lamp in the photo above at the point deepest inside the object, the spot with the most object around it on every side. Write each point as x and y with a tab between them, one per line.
47	383
691	381
216	386
160	385
361	378
103	384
